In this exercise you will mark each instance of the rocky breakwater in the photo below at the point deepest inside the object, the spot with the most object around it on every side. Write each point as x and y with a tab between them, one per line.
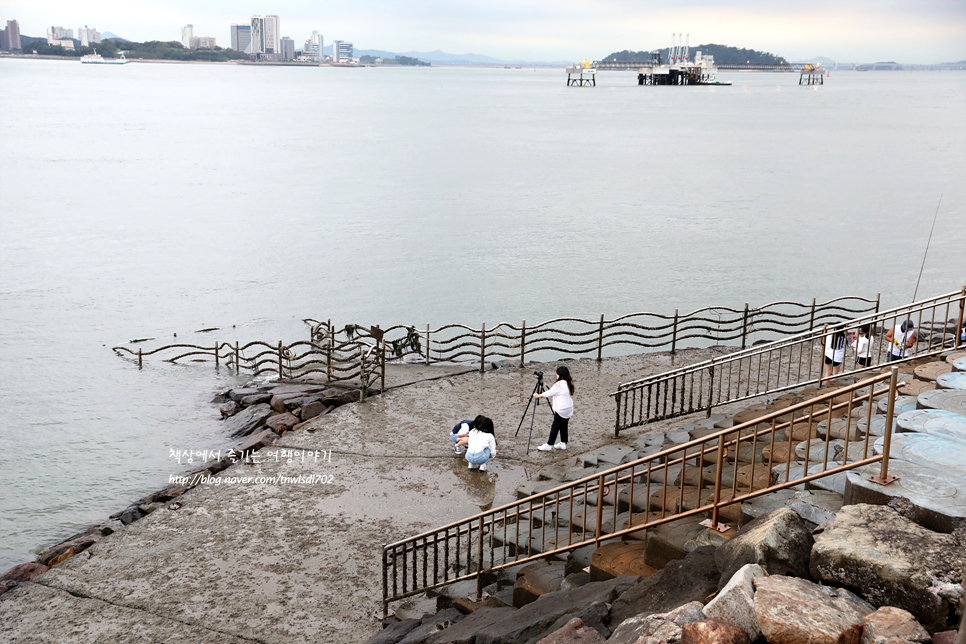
257	413
867	576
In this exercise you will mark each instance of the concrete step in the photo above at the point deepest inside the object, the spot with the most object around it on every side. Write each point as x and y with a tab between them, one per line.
619	559
537	579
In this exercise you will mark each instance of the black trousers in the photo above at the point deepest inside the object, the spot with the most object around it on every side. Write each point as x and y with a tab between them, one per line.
559	425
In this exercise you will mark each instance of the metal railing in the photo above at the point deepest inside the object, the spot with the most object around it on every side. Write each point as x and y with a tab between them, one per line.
360	360
796	361
575	336
707	476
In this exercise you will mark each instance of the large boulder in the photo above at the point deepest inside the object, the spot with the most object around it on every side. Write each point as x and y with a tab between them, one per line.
693	578
534	621
245	422
432	624
892	561
735	603
24	572
891	625
394	632
713	631
663	628
574	632
797	611
779	542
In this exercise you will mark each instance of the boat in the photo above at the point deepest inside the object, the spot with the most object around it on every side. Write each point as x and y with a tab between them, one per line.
97	59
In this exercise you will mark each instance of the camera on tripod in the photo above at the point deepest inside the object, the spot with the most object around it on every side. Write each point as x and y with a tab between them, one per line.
538	374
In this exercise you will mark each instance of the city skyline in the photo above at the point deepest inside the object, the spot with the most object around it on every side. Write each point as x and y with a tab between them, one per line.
856	30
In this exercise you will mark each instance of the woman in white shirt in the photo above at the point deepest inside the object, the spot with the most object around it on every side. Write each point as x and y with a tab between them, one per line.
481	445
862	345
562	403
834	352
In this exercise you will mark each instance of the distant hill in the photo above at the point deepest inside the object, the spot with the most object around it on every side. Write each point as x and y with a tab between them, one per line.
723	54
113	36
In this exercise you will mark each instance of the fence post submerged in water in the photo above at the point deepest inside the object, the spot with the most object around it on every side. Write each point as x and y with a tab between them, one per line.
483	348
600	339
280	360
674	334
744	328
523	343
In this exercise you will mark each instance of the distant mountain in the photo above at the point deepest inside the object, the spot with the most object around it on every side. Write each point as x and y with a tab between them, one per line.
723	55
442	58
112	36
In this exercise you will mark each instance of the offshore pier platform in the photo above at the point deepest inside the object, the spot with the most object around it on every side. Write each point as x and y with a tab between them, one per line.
680	69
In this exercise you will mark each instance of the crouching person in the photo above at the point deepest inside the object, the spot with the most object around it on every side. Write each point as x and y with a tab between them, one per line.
481	445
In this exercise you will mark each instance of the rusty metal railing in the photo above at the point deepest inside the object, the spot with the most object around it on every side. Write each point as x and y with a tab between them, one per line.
708	476
360	360
792	362
576	336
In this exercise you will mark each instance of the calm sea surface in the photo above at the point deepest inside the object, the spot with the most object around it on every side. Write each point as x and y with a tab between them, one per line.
154	199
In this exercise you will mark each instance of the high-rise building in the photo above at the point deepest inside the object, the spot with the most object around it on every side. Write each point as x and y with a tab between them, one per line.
241	38
288	48
10	35
58	33
266	35
202	42
88	37
341	51
187	33
313	46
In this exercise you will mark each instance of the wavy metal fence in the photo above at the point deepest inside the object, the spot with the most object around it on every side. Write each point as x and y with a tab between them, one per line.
576	336
677	482
360	361
792	362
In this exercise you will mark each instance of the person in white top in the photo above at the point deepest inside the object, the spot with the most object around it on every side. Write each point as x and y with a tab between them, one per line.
562	403
901	338
862	345
834	352
481	445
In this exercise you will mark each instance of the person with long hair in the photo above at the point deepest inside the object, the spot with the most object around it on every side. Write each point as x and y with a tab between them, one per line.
562	403
834	352
481	445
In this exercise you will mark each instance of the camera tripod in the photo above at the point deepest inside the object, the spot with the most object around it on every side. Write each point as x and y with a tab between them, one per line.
538	388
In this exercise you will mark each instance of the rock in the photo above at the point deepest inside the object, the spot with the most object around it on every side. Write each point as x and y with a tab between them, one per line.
394	632
679	582
229	409
796	611
148	508
278	402
254	443
471	627
9	584
256	399
573	632
67	554
312	410
245	422
778	541
130	515
431	624
657	628
24	572
533	621
537	579
281	422
891	625
592	617
735	603
238	394
713	631
944	637
893	561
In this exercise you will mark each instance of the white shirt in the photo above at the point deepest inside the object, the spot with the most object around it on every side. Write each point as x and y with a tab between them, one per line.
478	441
836	354
560	400
899	341
862	346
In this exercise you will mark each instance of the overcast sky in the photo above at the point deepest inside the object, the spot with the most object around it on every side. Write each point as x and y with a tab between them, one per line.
906	31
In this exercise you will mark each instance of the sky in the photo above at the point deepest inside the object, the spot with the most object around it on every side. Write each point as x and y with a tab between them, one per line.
905	31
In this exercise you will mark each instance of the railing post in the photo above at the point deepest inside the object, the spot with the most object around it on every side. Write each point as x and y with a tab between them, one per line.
878	298
382	383
884	478
811	321
216	354
330	342
362	374
744	328
719	464
479	562
600	508
280	376
959	324
385	583
600	339
483	348
710	388
427	344
821	355
617	421
674	334
141	360
523	343
237	359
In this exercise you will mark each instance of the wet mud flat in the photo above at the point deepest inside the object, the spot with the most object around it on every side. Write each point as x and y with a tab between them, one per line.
287	548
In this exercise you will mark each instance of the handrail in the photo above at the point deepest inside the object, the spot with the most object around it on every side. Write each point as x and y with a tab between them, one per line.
576	336
794	361
446	554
